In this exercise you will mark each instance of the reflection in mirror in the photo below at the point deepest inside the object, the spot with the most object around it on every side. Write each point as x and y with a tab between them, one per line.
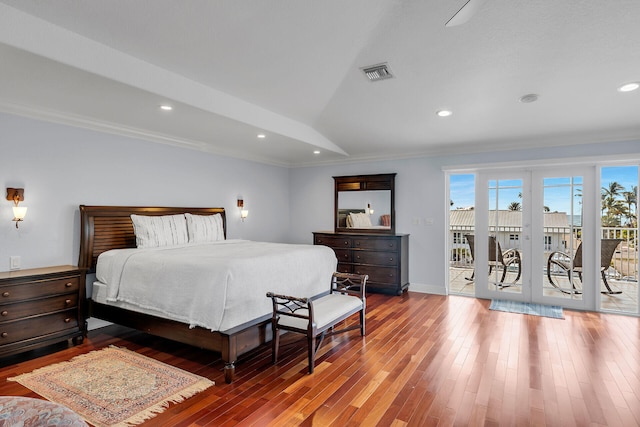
364	209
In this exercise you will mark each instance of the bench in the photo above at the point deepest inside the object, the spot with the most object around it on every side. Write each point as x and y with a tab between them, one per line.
314	318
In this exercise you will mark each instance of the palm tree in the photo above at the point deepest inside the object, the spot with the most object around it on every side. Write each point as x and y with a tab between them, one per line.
610	202
631	200
514	206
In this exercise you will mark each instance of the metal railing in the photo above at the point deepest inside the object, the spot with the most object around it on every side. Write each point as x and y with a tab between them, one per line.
624	265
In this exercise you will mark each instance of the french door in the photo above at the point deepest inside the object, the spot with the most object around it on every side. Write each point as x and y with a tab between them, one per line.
534	234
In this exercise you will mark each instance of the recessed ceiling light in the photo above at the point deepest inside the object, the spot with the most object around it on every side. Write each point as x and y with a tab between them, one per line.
444	113
316	152
166	107
529	98
628	87
262	135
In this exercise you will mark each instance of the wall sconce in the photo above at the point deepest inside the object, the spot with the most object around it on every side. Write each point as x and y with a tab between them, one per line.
16	195
369	209
243	212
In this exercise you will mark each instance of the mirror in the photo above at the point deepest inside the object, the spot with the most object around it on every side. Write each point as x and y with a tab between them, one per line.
365	203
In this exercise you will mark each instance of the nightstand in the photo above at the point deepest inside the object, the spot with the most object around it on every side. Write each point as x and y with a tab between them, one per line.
41	306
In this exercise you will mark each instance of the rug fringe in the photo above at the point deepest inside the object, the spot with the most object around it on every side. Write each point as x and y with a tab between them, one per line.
159	407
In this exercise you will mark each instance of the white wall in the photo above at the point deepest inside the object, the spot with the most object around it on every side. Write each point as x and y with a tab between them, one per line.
61	167
420	194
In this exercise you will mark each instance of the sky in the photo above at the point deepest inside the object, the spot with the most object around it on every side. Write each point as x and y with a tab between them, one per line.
557	191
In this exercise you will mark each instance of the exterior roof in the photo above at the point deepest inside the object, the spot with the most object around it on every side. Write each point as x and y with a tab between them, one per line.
466	218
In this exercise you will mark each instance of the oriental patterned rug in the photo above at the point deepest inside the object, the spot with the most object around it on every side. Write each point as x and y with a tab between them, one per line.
527	308
114	386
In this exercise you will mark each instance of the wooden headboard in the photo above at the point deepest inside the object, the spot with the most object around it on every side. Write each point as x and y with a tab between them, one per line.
109	227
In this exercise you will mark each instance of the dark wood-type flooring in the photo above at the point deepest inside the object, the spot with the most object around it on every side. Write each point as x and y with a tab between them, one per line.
426	360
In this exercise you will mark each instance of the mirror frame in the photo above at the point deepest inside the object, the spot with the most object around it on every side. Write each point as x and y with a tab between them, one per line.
365	183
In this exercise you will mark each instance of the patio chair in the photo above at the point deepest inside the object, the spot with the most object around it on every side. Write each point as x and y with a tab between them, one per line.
504	260
564	262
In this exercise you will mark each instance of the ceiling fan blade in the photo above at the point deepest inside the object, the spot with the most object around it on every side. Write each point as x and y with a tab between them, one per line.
465	13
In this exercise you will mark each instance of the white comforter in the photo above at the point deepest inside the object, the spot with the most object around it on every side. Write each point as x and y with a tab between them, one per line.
216	285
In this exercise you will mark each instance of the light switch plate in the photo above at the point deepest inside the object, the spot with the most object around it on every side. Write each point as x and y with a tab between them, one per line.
14	263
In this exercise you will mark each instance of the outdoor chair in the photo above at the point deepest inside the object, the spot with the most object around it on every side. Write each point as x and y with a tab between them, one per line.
504	260
563	261
314	318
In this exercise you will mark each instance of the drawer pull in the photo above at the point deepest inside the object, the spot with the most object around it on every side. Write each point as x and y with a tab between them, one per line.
67	320
4	335
68	285
345	256
4	313
390	245
5	294
67	302
391	259
346	243
357	243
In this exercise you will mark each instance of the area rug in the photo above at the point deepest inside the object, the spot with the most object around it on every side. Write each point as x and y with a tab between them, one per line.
527	308
114	386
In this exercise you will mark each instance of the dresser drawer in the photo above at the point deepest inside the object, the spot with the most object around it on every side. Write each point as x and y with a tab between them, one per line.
386	275
343	255
375	258
37	326
333	241
345	268
376	244
23	291
30	308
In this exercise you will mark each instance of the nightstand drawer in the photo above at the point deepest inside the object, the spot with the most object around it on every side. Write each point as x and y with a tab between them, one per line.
37	289
37	326
375	258
46	305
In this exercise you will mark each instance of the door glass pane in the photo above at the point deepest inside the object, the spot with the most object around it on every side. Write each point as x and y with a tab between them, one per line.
562	242
505	235
619	243
461	223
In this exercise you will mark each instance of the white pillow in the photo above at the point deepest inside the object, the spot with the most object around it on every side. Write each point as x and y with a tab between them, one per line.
360	220
155	231
204	228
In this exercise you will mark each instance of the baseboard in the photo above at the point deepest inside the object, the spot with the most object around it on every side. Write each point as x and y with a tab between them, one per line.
427	289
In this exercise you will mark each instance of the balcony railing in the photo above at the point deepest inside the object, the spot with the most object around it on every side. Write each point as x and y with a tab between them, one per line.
624	264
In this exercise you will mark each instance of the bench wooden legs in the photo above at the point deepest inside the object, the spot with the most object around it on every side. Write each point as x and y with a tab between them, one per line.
314	318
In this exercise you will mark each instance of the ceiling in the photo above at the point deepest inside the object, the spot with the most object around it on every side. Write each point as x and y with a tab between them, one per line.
291	70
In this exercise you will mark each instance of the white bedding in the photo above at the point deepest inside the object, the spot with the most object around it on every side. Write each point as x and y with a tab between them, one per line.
216	285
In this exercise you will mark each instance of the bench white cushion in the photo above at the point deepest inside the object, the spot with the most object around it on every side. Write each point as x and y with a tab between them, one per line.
325	310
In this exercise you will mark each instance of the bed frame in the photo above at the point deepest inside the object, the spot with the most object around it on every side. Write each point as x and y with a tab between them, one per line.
110	227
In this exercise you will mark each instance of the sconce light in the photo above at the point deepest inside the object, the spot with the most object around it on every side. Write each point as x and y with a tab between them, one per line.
369	209
243	212
16	195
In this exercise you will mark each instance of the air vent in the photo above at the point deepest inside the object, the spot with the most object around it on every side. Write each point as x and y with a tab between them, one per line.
377	72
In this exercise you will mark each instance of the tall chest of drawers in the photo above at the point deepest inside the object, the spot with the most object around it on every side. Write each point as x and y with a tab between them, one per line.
385	258
41	306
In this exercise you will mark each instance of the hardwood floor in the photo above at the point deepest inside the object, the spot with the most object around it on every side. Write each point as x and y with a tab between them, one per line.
426	360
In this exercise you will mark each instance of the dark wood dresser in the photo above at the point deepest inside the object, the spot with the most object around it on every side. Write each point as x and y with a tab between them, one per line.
384	257
41	306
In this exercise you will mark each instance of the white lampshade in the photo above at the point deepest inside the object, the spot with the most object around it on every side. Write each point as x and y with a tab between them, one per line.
19	212
244	213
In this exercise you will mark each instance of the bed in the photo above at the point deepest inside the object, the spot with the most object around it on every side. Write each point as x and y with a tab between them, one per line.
232	319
